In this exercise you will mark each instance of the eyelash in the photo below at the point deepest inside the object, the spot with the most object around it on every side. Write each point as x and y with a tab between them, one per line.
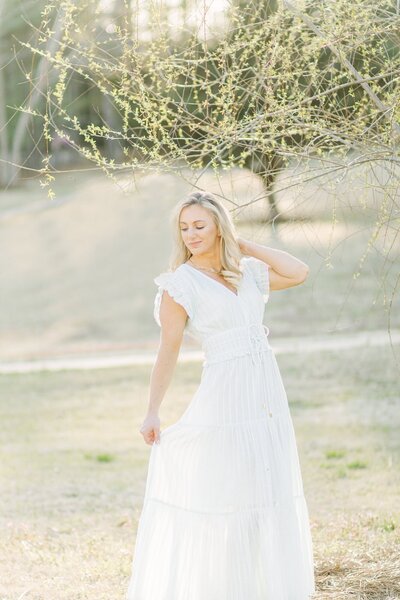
196	228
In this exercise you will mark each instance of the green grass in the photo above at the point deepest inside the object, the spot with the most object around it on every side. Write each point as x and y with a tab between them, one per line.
389	524
335	453
357	464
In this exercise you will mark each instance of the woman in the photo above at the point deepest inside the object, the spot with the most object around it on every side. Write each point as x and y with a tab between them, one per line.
224	515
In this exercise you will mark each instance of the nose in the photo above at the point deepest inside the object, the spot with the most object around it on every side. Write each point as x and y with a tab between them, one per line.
193	237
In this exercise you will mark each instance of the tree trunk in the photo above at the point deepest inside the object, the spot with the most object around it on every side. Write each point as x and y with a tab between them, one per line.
4	158
41	78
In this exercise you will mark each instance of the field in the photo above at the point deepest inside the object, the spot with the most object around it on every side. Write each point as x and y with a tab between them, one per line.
73	464
74	467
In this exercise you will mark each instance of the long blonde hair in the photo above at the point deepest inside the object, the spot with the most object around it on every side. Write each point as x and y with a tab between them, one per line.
230	252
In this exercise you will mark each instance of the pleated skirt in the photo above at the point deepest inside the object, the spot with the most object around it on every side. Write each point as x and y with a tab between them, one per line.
224	515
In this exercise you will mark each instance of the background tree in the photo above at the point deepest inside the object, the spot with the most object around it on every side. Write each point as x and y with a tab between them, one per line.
282	84
17	130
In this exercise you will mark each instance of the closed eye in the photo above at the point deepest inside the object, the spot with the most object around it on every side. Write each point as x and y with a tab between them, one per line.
196	228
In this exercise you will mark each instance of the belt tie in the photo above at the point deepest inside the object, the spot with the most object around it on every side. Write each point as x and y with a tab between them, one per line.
257	341
257	346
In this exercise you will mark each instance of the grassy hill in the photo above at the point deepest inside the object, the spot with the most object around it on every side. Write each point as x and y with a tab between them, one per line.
77	275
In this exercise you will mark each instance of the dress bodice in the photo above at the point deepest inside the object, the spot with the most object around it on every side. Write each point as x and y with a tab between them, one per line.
211	306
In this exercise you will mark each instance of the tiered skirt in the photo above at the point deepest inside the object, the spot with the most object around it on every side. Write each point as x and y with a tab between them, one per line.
224	514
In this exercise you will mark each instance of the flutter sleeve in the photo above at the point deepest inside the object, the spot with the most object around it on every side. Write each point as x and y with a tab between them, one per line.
260	272
174	283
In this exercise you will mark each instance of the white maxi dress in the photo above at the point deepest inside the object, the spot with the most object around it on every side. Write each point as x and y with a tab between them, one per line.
224	515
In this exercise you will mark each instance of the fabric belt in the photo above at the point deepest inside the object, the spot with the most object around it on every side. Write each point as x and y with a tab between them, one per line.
237	341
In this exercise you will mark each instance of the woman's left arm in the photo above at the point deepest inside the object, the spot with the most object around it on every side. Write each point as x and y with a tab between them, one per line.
285	270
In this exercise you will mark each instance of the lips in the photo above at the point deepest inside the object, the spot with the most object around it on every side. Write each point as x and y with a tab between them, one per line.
195	244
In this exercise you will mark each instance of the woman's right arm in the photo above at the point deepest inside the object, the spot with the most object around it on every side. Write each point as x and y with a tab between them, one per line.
173	319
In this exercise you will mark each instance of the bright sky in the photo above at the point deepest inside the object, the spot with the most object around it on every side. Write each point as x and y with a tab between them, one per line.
214	11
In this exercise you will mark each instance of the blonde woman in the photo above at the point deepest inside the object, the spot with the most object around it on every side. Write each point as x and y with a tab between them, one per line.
224	514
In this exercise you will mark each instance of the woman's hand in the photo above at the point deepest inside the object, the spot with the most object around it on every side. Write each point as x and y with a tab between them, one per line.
150	429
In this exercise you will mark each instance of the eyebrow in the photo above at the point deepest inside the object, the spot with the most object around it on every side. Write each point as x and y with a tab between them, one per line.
197	221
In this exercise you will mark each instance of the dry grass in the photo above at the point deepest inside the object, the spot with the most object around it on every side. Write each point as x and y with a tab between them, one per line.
73	471
357	559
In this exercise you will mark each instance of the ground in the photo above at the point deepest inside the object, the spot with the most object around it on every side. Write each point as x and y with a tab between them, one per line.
73	464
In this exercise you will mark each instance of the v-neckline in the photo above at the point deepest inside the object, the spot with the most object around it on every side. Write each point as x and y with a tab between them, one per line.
214	280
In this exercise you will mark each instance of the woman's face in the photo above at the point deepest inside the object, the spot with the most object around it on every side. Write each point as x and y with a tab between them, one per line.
198	230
